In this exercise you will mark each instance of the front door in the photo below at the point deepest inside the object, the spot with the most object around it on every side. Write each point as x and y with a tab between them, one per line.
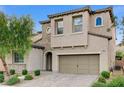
49	61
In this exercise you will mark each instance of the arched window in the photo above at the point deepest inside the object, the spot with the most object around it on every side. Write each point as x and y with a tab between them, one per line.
99	21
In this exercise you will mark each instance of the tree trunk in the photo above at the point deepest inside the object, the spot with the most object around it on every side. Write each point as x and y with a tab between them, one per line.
5	65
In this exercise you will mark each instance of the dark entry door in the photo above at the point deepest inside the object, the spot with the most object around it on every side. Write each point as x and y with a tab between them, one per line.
49	61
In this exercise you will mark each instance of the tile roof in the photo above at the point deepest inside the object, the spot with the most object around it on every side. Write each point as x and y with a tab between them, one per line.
86	8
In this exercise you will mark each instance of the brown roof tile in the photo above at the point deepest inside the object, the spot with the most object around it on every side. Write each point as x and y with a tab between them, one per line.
86	8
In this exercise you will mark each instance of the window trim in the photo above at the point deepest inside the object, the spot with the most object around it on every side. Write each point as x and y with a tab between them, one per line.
13	59
61	19
101	21
76	16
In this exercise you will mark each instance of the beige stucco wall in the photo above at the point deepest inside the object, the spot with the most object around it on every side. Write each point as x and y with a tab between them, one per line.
106	48
1	66
11	65
96	45
68	38
77	39
32	61
45	41
106	22
112	46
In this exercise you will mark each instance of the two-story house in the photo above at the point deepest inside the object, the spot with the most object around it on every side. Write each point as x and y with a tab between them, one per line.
76	41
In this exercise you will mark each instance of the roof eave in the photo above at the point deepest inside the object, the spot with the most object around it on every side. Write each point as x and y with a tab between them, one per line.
44	22
108	9
87	8
38	46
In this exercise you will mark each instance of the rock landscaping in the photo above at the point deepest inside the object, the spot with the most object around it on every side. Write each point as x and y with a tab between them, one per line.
15	78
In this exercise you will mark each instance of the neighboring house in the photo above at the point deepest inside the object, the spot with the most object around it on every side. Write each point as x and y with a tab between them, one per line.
76	41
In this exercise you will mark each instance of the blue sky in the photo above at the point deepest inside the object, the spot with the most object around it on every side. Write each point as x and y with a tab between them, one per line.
40	12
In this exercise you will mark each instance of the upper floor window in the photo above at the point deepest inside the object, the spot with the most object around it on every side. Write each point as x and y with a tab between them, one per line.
59	26
77	24
99	21
18	58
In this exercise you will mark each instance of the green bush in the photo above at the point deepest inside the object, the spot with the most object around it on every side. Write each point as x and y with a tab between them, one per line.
28	77
101	79
116	82
105	74
1	72
12	71
13	80
99	84
119	55
37	72
1	78
24	72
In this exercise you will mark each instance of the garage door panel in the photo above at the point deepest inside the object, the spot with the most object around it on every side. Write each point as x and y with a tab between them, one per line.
94	65
83	66
82	60
83	71
68	69
93	62
80	64
67	60
67	64
93	72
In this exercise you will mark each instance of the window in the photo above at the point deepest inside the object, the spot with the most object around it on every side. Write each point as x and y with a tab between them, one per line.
59	26
48	30
18	58
77	24
99	21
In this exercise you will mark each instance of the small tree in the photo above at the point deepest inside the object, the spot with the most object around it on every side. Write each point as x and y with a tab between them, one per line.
119	24
119	55
15	35
122	29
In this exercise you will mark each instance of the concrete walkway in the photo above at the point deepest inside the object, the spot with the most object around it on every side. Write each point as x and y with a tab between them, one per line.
50	79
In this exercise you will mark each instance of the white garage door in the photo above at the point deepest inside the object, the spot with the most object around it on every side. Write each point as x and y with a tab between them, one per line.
79	64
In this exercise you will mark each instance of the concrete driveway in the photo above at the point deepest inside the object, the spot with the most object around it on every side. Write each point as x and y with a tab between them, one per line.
50	79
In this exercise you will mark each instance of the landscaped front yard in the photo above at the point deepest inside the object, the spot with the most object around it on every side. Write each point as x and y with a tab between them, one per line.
116	79
15	78
52	79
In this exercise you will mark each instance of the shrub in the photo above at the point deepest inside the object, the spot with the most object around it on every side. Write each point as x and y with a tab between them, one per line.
99	84
101	79
12	71
105	74
1	78
13	80
119	55
28	77
1	72
37	72
116	82
24	72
